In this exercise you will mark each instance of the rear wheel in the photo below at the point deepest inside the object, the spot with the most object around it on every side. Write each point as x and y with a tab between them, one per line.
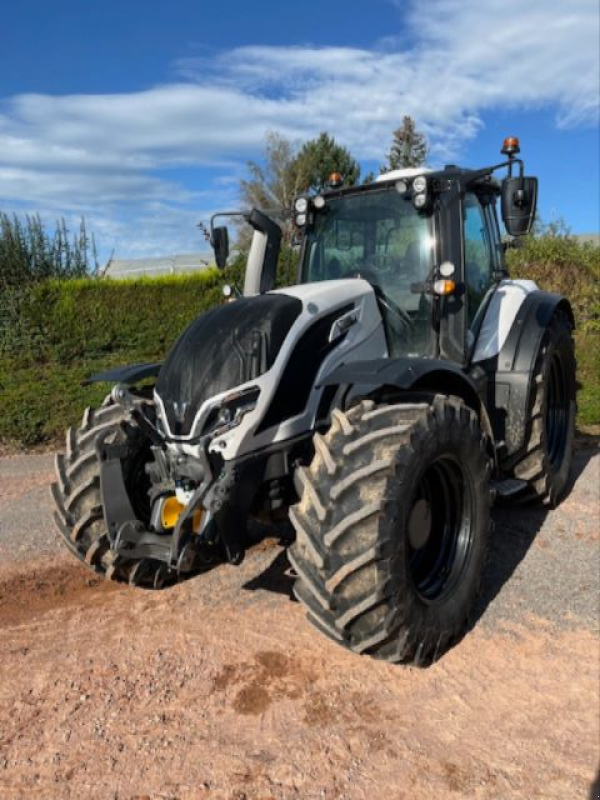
551	419
78	513
392	527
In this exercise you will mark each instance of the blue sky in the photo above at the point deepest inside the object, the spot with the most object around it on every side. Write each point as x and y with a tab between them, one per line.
142	115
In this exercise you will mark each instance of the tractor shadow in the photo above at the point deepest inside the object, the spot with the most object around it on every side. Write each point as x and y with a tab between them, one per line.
595	788
277	577
516	528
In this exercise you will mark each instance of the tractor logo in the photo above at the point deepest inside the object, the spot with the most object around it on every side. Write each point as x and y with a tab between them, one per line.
179	410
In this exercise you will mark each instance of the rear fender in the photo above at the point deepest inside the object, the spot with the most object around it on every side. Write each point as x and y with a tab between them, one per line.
509	375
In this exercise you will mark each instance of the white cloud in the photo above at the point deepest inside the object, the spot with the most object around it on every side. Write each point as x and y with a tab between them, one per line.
462	58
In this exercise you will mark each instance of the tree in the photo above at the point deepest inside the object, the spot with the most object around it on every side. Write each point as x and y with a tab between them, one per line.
409	147
557	228
287	171
273	186
29	254
319	157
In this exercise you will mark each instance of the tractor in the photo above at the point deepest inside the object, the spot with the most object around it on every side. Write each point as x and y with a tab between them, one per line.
383	403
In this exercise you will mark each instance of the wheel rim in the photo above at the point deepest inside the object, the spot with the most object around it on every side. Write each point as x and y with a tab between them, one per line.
439	530
557	412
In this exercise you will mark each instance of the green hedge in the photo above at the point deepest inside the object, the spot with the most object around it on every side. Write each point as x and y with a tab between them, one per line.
53	334
63	321
561	264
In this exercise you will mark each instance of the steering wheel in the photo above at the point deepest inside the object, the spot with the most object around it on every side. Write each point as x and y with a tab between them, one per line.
371	277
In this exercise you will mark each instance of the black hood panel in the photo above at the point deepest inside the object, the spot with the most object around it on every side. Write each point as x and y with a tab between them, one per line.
221	349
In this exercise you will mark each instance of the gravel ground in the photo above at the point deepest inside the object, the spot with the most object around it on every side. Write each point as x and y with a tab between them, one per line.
218	688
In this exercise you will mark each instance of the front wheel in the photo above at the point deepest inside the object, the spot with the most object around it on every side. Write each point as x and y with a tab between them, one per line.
79	514
392	527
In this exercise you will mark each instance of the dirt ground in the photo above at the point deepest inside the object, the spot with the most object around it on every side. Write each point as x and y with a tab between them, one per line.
218	688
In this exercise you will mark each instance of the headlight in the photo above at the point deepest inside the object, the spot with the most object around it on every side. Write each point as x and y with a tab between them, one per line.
420	200
300	220
420	184
231	411
301	205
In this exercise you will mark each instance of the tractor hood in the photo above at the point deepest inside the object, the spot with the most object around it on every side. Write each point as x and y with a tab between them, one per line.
227	346
247	371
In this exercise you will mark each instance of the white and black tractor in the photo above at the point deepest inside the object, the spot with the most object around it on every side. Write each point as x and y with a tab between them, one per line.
384	401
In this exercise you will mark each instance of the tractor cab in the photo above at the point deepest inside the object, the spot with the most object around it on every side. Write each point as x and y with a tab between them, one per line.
429	244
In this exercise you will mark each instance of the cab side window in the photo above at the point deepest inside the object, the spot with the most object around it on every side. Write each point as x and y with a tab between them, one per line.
479	255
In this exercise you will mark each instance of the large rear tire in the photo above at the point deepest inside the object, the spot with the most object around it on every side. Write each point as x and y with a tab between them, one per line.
392	527
551	418
78	513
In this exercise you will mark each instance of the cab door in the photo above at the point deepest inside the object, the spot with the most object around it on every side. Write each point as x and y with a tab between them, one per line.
470	240
480	256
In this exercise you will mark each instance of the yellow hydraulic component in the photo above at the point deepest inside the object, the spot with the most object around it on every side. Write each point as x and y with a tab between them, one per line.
171	511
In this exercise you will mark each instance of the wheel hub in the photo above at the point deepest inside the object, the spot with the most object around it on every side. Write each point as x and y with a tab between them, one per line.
419	524
439	527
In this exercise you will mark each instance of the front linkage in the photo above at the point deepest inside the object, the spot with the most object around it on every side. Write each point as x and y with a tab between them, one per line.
182	551
224	492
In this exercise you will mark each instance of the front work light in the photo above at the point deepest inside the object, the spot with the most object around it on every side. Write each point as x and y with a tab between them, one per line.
301	205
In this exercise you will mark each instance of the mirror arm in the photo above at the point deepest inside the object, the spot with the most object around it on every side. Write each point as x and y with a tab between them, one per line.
224	214
484	173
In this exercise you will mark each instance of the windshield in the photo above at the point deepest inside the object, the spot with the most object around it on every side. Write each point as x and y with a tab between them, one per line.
381	237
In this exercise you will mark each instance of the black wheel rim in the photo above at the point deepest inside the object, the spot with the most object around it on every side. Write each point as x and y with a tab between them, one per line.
439	529
557	412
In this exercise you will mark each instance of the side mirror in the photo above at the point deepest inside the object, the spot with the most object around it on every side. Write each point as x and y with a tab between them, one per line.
519	201
220	244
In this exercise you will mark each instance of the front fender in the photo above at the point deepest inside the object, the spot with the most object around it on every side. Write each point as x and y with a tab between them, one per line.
129	375
407	374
